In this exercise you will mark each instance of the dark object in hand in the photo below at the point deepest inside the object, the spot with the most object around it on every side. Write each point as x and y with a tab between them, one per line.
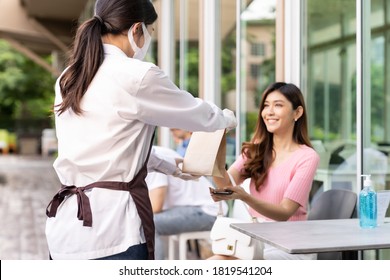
222	192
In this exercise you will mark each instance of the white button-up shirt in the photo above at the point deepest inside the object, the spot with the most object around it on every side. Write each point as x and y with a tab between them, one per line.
124	103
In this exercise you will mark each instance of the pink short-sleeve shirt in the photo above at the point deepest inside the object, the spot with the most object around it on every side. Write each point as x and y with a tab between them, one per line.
291	179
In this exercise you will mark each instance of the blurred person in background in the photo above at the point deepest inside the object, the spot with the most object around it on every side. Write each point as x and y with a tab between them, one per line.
179	205
182	139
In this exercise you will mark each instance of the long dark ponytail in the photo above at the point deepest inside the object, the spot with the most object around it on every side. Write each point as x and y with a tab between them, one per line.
111	16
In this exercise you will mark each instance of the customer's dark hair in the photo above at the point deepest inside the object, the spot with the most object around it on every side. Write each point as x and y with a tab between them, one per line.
111	16
259	151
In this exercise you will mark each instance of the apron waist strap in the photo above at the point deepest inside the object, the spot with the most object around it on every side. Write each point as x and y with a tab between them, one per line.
84	212
139	194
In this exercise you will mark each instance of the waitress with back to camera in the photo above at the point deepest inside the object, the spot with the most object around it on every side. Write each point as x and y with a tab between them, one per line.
107	105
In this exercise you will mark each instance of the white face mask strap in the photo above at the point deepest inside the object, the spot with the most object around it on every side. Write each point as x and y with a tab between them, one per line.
146	34
139	53
131	38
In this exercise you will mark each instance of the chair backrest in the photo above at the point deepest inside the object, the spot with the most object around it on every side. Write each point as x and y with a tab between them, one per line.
333	204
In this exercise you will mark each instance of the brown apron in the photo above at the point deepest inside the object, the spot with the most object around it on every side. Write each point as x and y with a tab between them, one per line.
138	190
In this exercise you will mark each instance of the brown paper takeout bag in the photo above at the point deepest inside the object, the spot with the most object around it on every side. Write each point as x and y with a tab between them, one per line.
206	154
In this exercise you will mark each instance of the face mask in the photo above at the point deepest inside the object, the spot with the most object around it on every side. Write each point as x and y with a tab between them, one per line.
139	53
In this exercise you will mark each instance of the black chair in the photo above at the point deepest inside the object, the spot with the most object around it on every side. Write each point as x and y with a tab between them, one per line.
333	204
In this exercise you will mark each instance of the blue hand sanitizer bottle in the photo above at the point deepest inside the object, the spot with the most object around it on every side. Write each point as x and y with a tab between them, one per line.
367	204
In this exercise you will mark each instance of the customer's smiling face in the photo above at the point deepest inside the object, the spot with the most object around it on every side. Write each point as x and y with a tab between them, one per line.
278	114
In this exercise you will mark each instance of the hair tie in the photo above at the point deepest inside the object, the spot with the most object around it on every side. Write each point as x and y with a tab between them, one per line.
99	19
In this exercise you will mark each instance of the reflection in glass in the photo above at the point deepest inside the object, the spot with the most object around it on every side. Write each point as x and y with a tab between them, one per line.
331	89
257	67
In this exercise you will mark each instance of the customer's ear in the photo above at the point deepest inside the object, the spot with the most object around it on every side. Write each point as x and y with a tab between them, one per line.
298	113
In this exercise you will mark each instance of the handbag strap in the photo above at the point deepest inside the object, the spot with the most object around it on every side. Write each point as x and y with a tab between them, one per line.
220	209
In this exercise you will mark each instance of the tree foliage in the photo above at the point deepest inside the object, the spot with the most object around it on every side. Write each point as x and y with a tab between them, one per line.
26	89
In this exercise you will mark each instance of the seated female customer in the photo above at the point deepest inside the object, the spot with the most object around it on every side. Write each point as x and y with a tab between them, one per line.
280	162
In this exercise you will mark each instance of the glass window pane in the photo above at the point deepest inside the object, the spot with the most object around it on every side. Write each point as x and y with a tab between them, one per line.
377	146
330	20
257	58
187	46
330	46
330	67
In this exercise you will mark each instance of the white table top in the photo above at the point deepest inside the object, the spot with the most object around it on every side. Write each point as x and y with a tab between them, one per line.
317	236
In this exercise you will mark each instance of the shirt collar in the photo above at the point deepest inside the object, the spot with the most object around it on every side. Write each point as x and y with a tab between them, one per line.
113	50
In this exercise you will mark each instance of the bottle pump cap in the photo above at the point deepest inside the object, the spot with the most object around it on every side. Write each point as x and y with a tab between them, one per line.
367	180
